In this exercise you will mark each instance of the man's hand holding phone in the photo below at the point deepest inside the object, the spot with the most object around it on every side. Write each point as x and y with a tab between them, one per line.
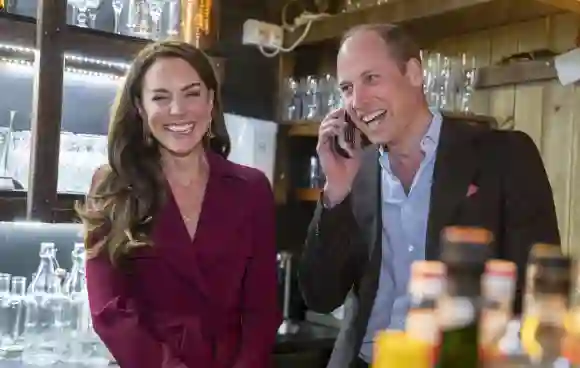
339	170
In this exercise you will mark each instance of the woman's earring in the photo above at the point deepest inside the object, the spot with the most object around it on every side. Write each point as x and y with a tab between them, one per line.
209	134
148	140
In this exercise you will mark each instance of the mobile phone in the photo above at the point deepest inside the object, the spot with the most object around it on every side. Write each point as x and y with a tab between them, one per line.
349	138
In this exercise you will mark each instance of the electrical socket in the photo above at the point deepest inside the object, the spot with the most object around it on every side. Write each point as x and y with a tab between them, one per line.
267	35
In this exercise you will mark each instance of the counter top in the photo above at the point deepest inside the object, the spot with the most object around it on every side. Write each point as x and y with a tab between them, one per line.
307	337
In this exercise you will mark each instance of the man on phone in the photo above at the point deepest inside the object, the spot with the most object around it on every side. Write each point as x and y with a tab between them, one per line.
385	207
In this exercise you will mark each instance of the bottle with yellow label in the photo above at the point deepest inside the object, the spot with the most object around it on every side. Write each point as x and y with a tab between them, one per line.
398	349
425	287
2	7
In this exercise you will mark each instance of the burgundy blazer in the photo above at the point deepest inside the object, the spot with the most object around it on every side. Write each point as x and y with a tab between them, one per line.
206	303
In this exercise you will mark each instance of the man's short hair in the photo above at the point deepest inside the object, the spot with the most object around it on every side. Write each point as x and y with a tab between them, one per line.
401	45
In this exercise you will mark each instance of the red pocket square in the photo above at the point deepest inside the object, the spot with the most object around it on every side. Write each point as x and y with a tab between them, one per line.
471	190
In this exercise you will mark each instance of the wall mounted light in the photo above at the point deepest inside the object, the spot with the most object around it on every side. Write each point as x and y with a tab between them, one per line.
14	54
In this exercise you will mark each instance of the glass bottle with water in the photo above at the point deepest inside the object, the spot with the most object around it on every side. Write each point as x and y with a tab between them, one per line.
84	344
45	305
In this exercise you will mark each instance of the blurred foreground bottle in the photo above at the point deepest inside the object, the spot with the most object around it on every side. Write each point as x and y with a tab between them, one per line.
538	251
543	329
497	339
464	251
571	343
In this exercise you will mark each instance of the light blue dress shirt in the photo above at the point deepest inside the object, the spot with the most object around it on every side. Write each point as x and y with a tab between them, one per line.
404	218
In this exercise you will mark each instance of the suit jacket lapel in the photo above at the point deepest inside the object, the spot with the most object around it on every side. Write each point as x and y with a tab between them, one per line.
455	167
366	204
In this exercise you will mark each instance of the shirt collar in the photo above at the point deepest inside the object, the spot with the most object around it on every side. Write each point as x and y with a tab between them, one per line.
430	139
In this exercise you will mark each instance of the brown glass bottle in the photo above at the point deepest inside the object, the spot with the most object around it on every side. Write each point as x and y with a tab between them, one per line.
464	251
539	251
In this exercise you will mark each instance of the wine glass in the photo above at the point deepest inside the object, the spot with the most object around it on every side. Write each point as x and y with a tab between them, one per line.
92	7
117	8
156	11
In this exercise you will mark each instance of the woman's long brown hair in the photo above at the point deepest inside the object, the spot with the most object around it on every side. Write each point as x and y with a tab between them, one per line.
128	193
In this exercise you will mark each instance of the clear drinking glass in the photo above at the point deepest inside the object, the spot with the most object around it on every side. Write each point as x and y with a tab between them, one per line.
14	347
174	18
4	311
468	64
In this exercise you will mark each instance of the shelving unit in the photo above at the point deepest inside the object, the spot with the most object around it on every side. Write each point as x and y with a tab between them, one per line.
431	20
20	31
304	128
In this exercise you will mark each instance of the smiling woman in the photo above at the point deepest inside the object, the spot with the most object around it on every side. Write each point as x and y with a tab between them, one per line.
177	106
165	212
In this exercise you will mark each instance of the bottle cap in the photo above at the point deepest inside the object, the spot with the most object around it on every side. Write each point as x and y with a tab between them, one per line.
465	245
421	269
543	250
464	234
501	267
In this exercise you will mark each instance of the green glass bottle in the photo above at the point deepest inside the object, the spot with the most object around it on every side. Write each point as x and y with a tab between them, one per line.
464	252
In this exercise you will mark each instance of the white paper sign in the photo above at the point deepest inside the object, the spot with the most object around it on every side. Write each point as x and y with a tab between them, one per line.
568	67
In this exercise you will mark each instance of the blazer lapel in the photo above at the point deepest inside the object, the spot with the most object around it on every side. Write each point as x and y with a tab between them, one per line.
366	202
455	167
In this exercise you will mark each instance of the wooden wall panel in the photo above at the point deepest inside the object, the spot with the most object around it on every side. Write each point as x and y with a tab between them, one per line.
547	111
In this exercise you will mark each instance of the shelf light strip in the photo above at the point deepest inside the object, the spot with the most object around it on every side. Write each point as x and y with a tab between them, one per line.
67	69
81	59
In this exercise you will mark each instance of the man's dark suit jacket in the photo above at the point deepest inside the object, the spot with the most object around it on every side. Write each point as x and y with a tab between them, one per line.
513	199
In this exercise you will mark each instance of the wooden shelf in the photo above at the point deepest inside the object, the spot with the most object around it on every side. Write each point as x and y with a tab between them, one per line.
310	128
515	73
308	194
303	128
486	120
431	20
21	31
568	5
